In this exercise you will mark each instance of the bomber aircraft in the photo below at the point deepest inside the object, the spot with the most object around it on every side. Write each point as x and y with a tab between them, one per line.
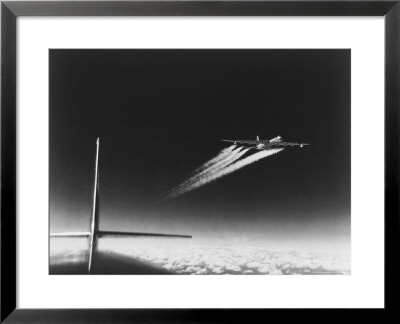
258	144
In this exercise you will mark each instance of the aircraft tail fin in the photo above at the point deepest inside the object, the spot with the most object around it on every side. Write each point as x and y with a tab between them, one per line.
94	226
94	232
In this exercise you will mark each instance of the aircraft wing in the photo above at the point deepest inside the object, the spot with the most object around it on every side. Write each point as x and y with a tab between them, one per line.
249	142
292	144
70	234
136	234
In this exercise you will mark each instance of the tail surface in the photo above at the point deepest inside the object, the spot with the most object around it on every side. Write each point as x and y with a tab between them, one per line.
94	233
94	224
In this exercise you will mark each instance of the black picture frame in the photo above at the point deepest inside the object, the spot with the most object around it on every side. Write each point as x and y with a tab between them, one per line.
10	10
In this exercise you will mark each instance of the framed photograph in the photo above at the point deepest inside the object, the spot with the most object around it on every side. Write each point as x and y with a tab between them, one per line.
186	161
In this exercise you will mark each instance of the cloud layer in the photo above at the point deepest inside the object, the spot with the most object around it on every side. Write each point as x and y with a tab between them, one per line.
207	259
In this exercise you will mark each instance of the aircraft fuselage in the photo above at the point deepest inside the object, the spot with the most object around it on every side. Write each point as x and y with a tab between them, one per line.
260	145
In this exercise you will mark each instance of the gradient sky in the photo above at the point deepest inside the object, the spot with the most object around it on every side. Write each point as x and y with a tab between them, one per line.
161	113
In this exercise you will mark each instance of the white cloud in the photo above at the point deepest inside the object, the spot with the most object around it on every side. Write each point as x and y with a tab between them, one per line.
217	259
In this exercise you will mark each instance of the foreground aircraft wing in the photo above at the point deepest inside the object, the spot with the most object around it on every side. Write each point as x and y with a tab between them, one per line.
70	234
250	142
135	234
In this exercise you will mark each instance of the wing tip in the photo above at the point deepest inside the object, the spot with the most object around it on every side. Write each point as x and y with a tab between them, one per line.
117	233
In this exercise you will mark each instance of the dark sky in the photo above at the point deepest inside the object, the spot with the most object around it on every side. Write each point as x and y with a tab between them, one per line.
161	113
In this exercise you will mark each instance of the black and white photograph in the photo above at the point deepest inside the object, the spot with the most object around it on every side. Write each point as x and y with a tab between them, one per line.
200	161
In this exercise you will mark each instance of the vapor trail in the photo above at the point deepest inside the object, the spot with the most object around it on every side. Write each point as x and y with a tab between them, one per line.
221	172
236	155
246	161
225	152
229	158
203	178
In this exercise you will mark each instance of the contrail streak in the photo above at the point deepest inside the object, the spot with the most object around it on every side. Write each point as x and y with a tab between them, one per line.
221	172
231	157
246	161
202	179
222	164
225	152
